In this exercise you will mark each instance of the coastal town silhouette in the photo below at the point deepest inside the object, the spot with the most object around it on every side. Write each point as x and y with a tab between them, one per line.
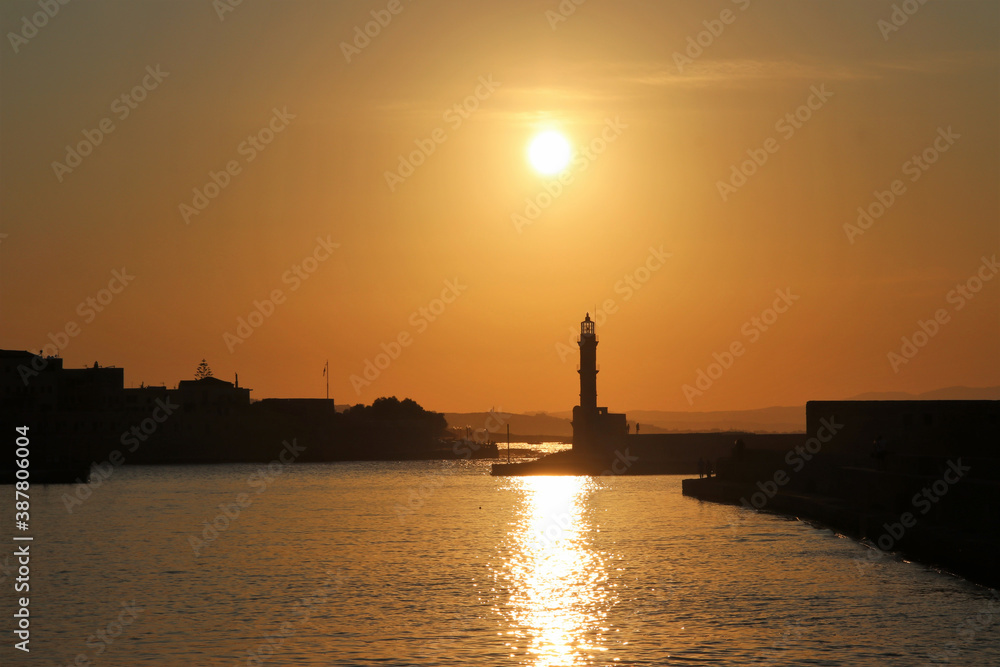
856	460
506	333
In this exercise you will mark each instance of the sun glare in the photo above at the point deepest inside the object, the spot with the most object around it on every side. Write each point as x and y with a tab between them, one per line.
549	152
559	595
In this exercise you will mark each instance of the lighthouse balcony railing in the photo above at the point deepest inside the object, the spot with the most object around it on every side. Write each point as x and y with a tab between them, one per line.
596	337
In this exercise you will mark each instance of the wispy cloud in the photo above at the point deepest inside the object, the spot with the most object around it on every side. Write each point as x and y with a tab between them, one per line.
603	84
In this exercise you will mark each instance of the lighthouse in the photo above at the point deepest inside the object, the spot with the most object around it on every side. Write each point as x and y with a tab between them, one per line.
594	429
588	366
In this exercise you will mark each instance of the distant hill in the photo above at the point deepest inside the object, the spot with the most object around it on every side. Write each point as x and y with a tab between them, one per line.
762	420
766	420
521	425
790	419
946	394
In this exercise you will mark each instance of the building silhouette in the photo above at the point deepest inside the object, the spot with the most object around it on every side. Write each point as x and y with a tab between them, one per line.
79	417
594	428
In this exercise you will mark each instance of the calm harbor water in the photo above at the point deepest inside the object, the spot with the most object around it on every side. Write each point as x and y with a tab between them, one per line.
437	563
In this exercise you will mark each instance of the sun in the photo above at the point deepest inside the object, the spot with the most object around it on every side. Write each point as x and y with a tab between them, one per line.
549	152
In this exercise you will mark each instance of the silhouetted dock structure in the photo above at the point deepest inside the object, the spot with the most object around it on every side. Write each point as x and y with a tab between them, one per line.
602	443
918	478
917	435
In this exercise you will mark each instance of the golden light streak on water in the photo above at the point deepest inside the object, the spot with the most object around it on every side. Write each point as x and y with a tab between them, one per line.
559	596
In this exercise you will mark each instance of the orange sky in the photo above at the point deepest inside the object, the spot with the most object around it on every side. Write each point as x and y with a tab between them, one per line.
656	129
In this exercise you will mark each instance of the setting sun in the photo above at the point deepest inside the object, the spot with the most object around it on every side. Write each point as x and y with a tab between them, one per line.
549	152
504	333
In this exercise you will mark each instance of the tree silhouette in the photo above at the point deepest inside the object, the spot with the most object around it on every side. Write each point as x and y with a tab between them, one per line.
390	413
203	371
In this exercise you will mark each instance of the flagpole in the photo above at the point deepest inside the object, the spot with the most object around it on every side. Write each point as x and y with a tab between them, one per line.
326	372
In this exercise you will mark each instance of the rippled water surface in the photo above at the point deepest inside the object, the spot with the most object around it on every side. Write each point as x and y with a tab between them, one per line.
437	563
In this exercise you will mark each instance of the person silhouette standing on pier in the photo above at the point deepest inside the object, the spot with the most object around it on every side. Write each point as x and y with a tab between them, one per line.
879	452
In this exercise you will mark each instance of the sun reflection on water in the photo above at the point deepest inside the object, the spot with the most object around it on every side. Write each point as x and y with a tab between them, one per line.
557	581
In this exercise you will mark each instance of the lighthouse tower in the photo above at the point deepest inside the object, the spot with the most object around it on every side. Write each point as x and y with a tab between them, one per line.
595	430
588	367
